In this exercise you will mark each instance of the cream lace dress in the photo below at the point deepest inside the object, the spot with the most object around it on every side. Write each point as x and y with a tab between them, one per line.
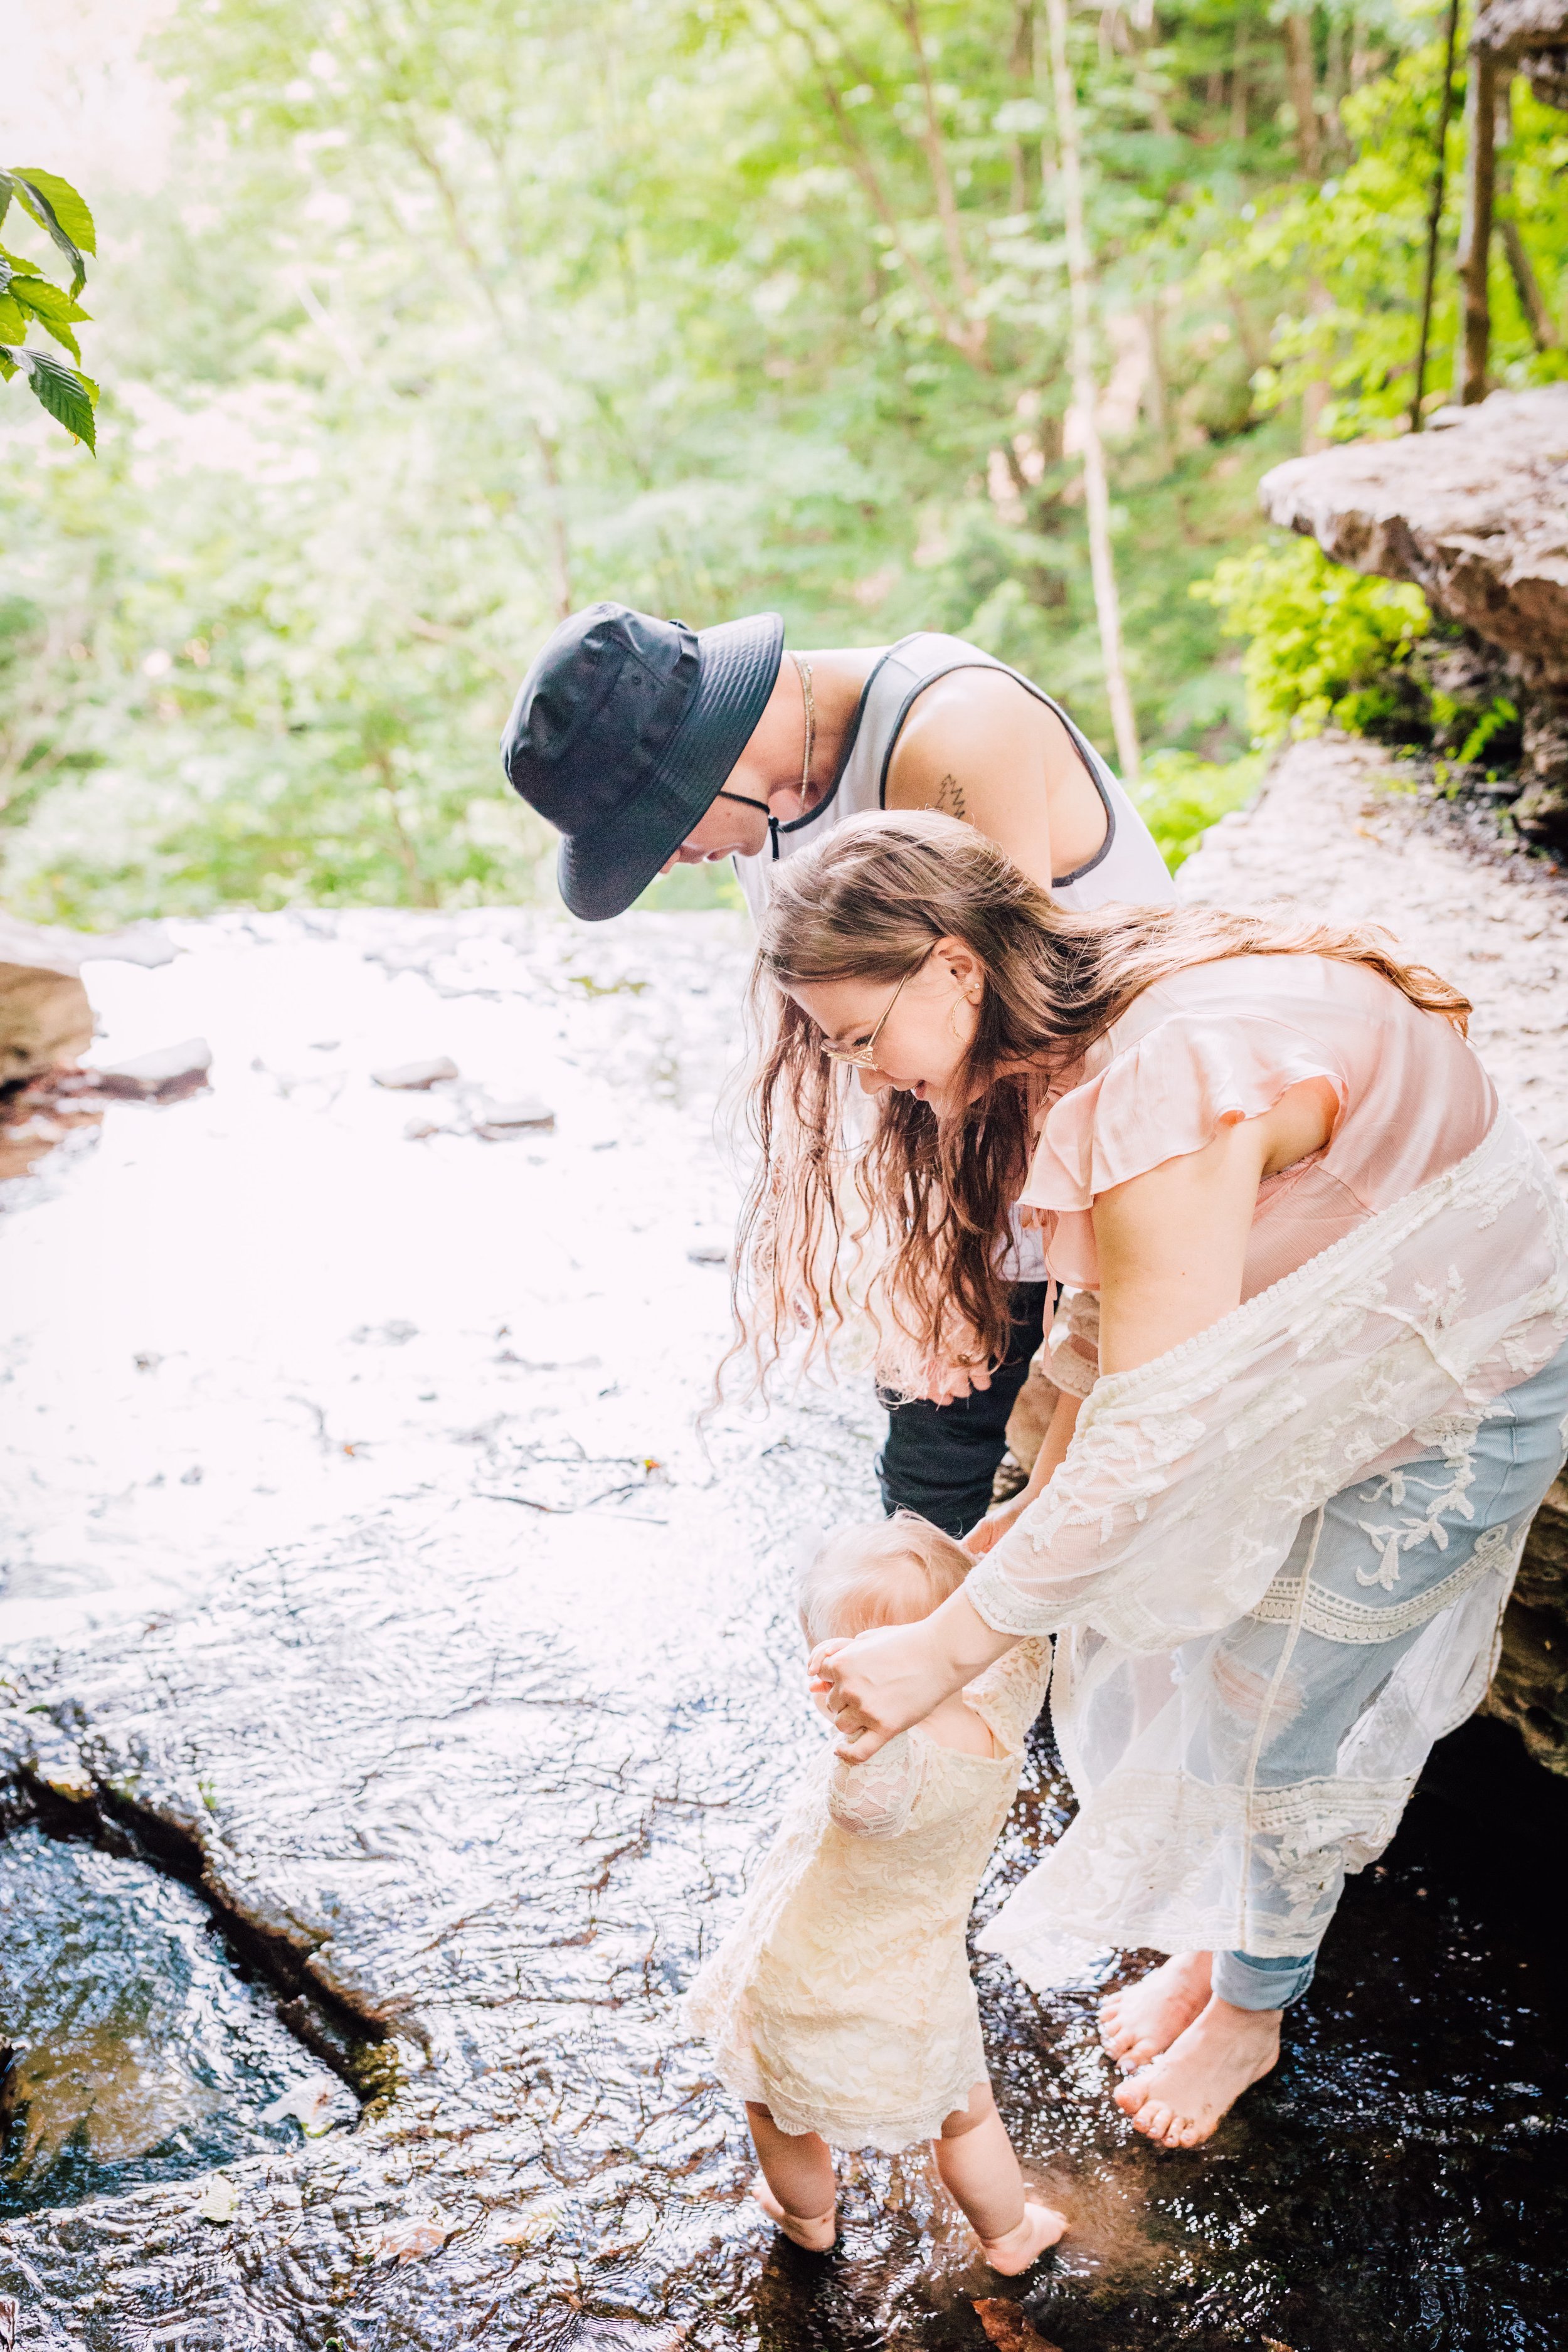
841	1999
1398	1284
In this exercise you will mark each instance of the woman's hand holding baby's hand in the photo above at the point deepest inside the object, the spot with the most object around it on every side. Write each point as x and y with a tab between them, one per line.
880	1683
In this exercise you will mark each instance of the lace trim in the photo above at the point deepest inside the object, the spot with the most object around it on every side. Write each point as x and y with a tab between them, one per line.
874	1799
999	1601
845	2126
1137	1868
1072	1349
1335	1619
1469	1183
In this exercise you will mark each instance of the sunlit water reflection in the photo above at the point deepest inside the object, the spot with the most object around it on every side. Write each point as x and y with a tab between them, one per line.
468	1665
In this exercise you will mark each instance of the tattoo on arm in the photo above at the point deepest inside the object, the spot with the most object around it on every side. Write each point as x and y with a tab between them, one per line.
950	797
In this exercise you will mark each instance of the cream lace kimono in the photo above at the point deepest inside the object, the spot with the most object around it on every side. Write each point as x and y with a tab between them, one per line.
1178	1514
841	1999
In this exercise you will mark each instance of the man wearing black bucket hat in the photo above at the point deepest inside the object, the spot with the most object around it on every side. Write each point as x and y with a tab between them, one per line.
648	744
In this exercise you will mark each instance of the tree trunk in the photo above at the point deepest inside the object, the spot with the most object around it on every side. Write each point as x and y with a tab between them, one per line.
1084	393
1435	219
1157	405
1476	231
1532	301
1303	89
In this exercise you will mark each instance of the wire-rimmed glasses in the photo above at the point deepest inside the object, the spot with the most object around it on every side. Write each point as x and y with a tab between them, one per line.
864	1056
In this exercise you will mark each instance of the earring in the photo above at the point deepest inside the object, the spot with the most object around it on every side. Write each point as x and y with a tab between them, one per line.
951	1023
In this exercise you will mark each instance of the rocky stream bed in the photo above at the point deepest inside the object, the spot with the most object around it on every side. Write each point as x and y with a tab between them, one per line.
399	1679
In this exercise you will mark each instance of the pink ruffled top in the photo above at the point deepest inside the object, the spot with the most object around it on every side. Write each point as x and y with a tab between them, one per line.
1222	1042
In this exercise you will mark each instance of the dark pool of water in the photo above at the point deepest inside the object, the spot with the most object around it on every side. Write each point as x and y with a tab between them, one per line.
138	2049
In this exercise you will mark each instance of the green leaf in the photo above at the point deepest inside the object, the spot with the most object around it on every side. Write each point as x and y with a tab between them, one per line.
61	390
70	208
13	320
51	306
33	200
7	364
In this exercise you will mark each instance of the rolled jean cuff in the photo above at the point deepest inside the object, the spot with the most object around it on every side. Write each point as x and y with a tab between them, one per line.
1249	1983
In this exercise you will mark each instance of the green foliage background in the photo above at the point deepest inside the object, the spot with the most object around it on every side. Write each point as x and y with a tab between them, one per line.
460	313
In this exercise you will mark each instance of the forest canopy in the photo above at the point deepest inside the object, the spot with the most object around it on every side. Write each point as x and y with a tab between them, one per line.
457	314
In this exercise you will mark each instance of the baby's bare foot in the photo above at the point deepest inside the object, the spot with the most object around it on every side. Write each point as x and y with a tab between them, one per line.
816	2236
1179	2099
1137	2023
1041	2226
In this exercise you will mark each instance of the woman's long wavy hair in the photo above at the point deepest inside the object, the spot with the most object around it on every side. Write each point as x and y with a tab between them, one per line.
925	1197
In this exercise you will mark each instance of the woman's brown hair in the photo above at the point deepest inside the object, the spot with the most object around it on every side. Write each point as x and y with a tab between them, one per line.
927	1196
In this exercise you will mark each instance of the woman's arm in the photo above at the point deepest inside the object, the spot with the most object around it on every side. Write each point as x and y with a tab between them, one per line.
1052	1454
1171	1245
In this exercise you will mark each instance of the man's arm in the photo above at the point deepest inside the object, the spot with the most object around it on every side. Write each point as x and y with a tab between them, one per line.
976	746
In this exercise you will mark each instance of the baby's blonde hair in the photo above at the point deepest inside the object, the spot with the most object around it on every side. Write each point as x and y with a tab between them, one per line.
890	1573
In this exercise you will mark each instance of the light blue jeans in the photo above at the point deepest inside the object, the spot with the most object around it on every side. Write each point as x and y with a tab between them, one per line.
1517	1453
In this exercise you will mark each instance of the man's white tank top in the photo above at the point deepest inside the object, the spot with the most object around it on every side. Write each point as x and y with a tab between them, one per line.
1127	865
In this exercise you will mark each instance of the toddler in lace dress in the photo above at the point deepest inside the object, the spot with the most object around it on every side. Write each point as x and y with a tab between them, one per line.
840	2005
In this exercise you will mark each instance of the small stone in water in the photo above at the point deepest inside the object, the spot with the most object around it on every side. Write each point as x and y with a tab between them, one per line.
1006	2327
219	2200
407	2241
412	1076
497	1122
163	1076
395	1334
420	1126
708	1253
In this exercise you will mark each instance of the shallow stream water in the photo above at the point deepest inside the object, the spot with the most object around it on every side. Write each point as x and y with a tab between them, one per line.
461	1681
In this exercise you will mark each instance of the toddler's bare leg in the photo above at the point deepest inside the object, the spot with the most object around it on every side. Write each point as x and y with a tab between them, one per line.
795	2186
975	2158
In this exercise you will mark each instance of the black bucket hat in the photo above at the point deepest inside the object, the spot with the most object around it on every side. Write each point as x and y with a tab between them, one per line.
622	733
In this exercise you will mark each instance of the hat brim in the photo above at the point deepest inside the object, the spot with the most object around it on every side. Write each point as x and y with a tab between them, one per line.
601	873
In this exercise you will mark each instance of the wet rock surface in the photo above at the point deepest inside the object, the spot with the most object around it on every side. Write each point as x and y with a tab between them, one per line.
1477	515
470	1725
1332	831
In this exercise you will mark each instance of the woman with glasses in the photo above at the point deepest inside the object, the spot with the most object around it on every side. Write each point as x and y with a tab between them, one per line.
1330	1389
650	744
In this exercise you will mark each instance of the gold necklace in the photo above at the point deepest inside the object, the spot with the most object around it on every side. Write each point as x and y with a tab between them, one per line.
803	670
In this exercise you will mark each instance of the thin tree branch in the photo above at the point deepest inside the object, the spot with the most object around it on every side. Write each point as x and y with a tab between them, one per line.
1435	219
1097	494
953	329
936	151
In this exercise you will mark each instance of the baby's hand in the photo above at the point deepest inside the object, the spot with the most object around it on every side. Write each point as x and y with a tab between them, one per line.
878	1684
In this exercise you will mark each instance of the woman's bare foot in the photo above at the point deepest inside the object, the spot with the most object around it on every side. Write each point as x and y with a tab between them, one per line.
1041	2226
1137	2023
816	2236
1181	2097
